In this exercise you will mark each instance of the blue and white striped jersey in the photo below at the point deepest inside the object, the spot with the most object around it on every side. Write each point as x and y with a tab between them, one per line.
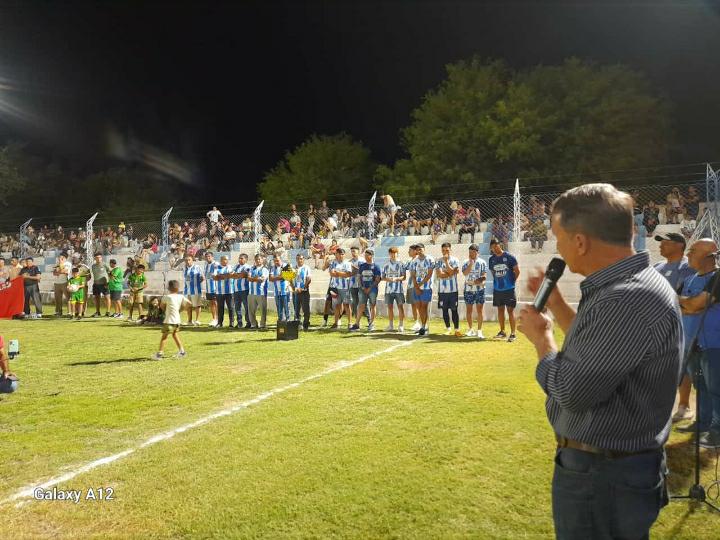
280	288
422	268
478	267
241	284
355	280
302	274
394	270
225	286
210	269
340	283
193	280
447	285
257	288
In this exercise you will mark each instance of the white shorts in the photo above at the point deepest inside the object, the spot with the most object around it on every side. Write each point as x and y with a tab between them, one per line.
195	299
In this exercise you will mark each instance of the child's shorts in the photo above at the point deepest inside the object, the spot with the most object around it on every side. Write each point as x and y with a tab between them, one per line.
170	329
137	298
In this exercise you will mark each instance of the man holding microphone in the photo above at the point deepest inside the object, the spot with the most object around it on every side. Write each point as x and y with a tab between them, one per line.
611	388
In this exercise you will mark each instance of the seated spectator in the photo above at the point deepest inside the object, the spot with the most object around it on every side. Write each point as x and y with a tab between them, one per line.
692	203
674	206
468	225
458	217
651	217
311	215
538	233
155	314
333	247
317	250
436	229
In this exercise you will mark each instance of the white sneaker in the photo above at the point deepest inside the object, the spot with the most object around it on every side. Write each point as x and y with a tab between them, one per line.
324	324
213	323
682	413
401	329
417	326
470	333
480	334
448	332
38	316
157	356
181	354
371	327
389	328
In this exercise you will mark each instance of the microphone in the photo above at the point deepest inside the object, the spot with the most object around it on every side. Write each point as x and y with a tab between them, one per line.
554	270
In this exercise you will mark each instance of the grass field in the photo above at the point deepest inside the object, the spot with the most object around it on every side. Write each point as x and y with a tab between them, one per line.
436	438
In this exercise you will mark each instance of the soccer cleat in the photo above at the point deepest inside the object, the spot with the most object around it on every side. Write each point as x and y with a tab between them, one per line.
354	328
421	332
470	333
107	313
157	356
511	338
416	326
500	335
682	413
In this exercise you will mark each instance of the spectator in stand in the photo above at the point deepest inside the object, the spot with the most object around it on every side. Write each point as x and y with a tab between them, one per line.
468	225
458	217
100	275
475	271
501	230
311	216
692	203
257	297
651	219
333	247
394	274
115	286
62	272
505	271
211	292
674	206
537	233
280	250
391	209
436	229
318	251
31	282
129	267
687	226
214	216
323	212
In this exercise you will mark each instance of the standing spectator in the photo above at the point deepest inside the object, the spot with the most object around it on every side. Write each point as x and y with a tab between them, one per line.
538	233
301	297
652	218
311	217
62	272
211	268
100	274
505	271
129	267
340	274
447	270
475	271
280	288
15	267
241	291
137	283
674	204
323	212
115	286
421	277
257	296
391	208
687	226
31	282
369	275
193	278
4	274
393	274
225	289
214	216
692	203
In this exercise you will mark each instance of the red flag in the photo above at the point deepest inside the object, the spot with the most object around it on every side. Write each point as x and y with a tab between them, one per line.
12	298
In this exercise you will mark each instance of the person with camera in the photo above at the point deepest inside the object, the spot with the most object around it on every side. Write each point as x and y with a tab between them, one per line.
611	387
8	380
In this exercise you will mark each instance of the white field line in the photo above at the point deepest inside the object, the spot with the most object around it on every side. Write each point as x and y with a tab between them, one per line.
28	492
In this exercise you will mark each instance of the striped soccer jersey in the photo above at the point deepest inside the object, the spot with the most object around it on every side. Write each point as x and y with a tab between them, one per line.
448	285
340	283
210	269
422	268
302	273
241	284
257	288
193	280
394	270
355	280
478	268
280	288
225	286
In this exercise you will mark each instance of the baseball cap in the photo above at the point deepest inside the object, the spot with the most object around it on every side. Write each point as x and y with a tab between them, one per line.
474	247
672	237
420	246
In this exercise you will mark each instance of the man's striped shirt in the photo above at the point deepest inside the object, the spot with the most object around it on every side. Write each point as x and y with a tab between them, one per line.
447	285
478	267
280	288
355	280
210	269
613	384
422	268
301	276
193	280
259	288
225	286
241	284
394	270
337	282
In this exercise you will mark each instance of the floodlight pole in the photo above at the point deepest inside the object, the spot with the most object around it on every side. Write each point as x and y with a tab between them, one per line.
371	217
165	225
89	238
517	211
258	224
710	220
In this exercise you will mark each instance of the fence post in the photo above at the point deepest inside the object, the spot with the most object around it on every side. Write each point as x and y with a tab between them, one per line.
710	220
371	217
89	239
517	212
165	231
24	238
258	224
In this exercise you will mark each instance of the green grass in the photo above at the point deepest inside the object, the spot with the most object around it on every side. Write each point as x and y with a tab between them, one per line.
445	438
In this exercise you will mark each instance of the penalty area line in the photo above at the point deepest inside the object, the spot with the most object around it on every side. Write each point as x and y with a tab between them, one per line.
28	492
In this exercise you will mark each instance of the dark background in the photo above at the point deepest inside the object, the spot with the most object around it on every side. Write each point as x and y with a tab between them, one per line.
228	88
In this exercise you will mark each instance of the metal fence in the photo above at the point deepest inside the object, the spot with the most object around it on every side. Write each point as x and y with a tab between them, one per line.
192	232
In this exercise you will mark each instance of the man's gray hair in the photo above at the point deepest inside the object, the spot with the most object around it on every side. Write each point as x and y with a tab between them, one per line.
597	210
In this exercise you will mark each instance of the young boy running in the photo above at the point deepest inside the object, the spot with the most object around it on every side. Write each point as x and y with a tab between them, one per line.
172	304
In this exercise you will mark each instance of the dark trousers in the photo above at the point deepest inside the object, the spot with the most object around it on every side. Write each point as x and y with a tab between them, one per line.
301	300
240	299
596	498
222	301
33	294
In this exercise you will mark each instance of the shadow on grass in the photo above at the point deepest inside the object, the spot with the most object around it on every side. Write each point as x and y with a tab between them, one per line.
115	361
681	462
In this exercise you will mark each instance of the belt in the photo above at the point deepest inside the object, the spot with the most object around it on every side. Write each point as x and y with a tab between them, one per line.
564	442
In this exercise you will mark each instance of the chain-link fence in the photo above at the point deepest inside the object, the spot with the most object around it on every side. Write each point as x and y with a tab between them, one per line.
655	205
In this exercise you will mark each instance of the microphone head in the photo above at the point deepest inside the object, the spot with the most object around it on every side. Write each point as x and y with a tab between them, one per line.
555	269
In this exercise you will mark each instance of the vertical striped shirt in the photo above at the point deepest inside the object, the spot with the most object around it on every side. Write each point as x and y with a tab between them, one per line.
193	280
210	283
447	285
280	288
355	280
241	284
422	268
257	288
394	270
337	282
301	276
613	383
225	286
478	268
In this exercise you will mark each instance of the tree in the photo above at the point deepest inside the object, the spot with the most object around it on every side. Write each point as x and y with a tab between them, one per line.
11	180
333	167
486	122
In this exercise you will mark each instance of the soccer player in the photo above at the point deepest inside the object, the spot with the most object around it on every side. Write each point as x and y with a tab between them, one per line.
354	281
257	296
241	291
211	267
137	283
340	274
301	296
505	271
225	288
447	269
193	277
421	277
172	304
475	271
410	295
280	288
76	284
100	284
394	274
369	276
115	286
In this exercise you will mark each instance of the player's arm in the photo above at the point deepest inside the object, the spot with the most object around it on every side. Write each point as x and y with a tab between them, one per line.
694	304
516	271
5	364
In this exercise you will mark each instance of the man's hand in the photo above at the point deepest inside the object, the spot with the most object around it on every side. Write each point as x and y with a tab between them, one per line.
534	282
538	328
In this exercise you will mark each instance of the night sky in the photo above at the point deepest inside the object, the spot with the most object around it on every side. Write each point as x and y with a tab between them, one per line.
228	88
